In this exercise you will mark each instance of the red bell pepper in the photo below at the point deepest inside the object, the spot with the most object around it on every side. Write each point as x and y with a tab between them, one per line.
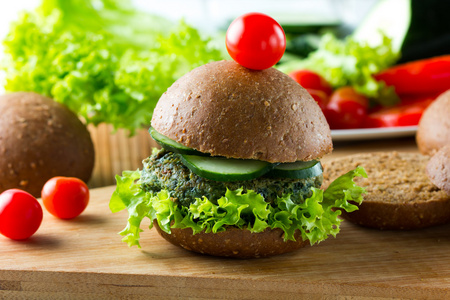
408	113
424	76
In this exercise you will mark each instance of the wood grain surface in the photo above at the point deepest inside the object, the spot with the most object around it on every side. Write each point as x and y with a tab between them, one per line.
84	258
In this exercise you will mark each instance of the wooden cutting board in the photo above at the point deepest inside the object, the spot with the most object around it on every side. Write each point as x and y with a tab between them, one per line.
84	258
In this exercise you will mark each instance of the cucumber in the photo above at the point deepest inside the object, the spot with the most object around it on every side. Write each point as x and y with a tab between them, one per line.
429	31
391	17
297	170
418	28
225	169
173	146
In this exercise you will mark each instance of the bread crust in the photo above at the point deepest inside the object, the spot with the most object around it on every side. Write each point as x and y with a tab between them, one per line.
434	126
438	169
399	193
234	242
400	217
40	139
225	109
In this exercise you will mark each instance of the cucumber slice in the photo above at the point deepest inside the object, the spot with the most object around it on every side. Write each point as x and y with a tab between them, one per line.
173	146
225	169
297	170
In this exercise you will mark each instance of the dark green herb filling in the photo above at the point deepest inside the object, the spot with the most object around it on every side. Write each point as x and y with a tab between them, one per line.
164	170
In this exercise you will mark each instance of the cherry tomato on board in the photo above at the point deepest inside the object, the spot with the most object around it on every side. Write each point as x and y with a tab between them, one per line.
255	41
20	214
311	80
65	197
346	109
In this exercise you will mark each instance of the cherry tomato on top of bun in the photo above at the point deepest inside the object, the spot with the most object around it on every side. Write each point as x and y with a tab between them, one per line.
311	80
20	214
65	197
255	41
346	109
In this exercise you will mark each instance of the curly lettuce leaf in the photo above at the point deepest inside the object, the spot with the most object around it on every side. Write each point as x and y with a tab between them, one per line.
316	218
343	189
129	196
350	62
105	60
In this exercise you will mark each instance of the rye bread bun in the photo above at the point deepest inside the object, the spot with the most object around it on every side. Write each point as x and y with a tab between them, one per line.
40	139
434	127
399	193
227	110
233	242
438	169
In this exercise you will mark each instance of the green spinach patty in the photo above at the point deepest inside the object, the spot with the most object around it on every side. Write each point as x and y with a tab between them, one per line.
164	170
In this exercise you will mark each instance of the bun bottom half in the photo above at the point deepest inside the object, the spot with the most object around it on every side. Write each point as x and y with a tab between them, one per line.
400	196
401	217
233	242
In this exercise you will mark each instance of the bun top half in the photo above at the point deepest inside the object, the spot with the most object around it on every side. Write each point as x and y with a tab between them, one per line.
228	110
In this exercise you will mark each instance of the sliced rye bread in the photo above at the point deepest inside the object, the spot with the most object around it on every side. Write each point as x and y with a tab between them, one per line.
399	193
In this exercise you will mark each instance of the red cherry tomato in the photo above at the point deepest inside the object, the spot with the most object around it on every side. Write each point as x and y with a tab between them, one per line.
65	197
20	214
320	97
311	80
346	109
255	41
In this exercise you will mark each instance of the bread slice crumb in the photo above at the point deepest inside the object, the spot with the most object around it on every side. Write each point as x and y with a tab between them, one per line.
399	193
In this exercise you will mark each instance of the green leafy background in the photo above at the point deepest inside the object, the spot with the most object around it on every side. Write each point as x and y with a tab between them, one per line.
349	62
104	59
109	62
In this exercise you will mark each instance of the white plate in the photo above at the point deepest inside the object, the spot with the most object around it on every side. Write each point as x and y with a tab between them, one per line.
372	133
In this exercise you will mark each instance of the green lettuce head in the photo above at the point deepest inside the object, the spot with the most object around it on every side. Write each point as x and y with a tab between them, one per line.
106	60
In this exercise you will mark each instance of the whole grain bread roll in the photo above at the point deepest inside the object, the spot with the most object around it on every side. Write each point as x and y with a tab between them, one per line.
234	242
434	126
399	193
40	139
438	169
225	109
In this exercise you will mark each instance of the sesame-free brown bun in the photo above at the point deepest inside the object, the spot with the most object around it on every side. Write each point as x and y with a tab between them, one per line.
228	110
434	126
234	242
399	193
438	169
40	139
